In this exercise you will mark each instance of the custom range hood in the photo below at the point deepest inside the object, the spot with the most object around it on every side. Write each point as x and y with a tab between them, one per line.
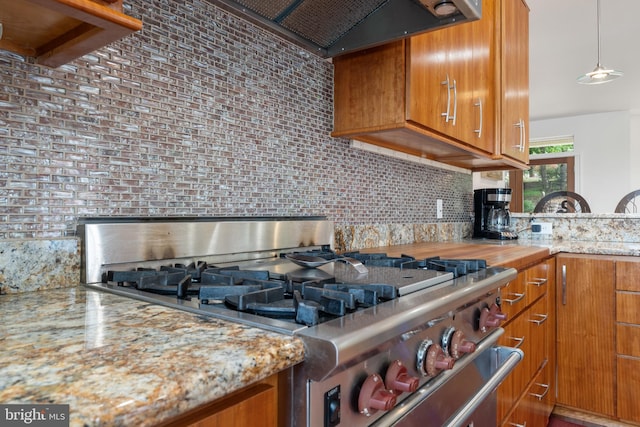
333	27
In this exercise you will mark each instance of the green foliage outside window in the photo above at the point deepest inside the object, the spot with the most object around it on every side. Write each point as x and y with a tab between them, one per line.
540	180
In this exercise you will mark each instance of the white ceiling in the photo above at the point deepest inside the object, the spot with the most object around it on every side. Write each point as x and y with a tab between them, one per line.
564	44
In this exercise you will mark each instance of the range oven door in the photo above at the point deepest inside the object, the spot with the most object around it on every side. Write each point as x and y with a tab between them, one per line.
464	396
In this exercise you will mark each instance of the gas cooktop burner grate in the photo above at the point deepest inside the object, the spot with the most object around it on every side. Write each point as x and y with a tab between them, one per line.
308	302
459	267
305	295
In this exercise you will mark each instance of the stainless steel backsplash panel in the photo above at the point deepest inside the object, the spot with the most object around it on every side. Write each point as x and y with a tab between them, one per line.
127	242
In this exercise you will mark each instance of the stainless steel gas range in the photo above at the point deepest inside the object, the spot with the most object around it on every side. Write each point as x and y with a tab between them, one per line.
388	340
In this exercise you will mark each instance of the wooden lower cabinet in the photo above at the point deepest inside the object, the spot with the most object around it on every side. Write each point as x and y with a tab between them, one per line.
585	319
628	339
254	406
526	396
598	325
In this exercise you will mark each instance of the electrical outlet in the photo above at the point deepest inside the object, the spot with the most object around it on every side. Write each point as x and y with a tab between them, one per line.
541	228
439	209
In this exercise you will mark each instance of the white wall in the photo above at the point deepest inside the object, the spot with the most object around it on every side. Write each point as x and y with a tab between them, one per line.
607	147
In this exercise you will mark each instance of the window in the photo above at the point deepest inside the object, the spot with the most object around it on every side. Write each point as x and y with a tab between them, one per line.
552	169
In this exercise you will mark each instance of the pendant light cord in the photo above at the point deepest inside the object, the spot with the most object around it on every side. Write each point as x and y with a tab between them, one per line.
598	26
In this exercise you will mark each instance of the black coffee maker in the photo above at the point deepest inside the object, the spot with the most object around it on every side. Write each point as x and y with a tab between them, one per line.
492	216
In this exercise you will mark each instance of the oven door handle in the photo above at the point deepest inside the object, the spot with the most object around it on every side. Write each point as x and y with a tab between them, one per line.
514	357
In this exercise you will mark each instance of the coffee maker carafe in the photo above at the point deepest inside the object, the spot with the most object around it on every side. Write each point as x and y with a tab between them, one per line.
492	216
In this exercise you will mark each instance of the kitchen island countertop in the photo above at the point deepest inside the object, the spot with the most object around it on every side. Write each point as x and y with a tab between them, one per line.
119	361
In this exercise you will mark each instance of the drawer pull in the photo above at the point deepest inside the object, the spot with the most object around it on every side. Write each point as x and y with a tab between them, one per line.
541	318
544	393
564	285
518	297
519	341
538	281
518	425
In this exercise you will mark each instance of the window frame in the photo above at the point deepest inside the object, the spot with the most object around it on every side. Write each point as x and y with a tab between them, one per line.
516	181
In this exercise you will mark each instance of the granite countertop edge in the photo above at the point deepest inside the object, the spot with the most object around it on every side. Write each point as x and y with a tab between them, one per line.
583	247
117	361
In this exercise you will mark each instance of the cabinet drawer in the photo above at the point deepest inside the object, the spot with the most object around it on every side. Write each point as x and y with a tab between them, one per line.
628	340
628	307
516	335
531	410
513	297
538	319
628	276
537	278
628	390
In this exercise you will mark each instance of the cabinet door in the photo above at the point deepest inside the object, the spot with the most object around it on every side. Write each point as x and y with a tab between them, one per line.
432	80
448	79
585	337
628	390
515	80
257	409
369	88
482	125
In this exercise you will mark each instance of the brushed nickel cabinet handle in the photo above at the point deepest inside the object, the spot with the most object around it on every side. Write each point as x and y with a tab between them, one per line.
446	114
479	130
564	284
524	136
455	101
518	341
541	319
518	297
538	281
544	393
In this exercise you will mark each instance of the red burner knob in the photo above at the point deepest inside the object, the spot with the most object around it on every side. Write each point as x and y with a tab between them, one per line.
374	397
488	320
460	345
432	359
398	381
497	312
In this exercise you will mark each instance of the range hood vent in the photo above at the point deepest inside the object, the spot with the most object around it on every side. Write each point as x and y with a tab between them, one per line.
333	27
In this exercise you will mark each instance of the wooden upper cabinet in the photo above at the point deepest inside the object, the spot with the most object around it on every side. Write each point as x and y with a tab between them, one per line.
435	95
515	80
58	31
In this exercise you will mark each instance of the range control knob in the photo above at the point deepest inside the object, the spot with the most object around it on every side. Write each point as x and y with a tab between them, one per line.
374	397
432	359
497	312
398	381
460	345
488	320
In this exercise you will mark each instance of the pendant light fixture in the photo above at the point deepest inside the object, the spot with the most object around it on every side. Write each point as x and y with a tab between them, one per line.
599	74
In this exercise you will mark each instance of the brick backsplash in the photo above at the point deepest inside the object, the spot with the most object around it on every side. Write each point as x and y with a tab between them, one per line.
200	114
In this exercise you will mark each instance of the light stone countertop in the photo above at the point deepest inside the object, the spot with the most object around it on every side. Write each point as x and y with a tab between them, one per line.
122	362
582	247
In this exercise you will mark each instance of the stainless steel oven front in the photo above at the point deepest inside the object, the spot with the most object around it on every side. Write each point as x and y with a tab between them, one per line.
435	371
